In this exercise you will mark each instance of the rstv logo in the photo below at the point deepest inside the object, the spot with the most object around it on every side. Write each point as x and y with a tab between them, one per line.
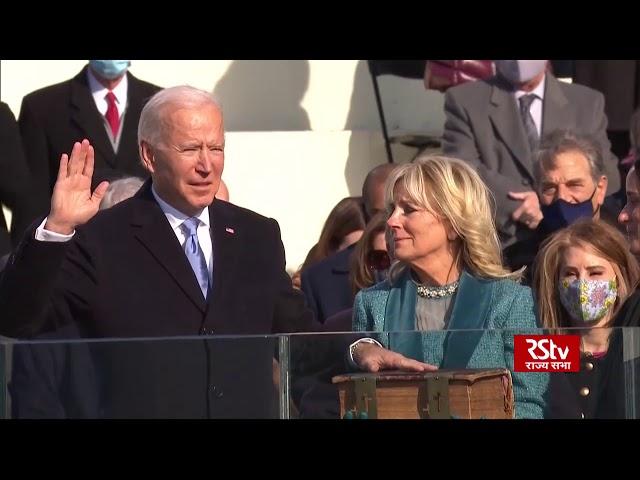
546	353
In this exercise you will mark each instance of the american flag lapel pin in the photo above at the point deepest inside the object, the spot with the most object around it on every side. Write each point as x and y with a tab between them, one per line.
229	230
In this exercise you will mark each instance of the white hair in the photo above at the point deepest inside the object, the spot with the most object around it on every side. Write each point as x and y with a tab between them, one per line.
120	190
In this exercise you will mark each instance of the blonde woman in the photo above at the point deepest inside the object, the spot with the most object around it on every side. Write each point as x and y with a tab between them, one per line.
448	276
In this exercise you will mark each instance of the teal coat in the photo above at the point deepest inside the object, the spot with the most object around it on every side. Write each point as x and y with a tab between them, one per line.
491	312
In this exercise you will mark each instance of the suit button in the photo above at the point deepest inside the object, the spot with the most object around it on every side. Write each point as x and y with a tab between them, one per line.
588	366
216	391
584	391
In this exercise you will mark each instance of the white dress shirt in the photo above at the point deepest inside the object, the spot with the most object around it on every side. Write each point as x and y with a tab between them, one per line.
177	218
99	92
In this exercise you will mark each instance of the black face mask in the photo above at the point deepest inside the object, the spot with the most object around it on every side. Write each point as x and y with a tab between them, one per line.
561	213
380	275
378	262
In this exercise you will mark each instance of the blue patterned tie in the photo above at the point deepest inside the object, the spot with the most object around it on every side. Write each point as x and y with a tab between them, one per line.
194	253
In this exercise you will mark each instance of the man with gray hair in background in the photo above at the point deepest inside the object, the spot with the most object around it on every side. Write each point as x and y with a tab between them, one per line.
570	180
571	183
496	125
120	190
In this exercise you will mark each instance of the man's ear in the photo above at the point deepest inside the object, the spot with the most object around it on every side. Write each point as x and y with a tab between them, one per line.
146	156
602	185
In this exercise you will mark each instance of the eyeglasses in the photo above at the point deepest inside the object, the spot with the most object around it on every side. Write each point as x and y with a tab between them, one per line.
378	260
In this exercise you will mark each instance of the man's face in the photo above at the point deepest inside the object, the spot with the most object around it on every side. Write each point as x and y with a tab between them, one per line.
630	214
187	165
375	202
570	179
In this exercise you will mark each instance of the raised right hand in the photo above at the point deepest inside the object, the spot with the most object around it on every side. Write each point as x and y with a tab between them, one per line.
372	358
72	202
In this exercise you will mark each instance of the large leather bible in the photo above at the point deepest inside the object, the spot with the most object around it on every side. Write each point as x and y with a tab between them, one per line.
473	393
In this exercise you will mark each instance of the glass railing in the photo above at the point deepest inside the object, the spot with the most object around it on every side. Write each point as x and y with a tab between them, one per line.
482	374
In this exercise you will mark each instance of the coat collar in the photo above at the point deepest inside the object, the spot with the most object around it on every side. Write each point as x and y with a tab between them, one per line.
470	314
152	229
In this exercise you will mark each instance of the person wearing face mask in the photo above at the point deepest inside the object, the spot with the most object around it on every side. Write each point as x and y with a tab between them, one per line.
571	184
496	125
584	274
325	284
102	103
570	180
369	264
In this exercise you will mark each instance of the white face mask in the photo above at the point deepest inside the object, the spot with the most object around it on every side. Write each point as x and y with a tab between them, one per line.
518	72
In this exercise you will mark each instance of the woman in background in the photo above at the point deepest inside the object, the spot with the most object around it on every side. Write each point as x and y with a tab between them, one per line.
584	274
342	228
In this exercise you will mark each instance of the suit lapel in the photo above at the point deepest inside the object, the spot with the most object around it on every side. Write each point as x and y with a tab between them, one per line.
156	235
505	117
227	245
86	116
555	114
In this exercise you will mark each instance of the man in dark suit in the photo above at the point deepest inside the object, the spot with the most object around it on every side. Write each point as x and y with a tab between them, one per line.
168	262
102	104
326	283
51	378
496	125
15	192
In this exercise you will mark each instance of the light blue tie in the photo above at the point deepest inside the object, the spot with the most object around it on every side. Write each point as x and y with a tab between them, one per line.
194	253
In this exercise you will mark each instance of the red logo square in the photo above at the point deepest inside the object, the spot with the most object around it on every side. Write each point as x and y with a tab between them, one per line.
546	353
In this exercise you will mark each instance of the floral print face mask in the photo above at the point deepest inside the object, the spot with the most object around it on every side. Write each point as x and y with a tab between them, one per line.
588	300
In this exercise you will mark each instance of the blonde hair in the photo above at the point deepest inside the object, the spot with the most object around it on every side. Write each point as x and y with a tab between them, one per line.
595	235
451	190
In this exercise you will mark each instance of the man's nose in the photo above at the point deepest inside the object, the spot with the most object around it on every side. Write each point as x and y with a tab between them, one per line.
623	217
563	193
205	160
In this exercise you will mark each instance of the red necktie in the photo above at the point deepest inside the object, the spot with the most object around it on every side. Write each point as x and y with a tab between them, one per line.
113	118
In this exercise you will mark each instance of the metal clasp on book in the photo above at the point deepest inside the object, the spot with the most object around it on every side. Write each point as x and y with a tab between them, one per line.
437	401
366	405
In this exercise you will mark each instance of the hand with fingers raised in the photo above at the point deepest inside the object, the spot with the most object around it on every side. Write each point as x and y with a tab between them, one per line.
72	202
